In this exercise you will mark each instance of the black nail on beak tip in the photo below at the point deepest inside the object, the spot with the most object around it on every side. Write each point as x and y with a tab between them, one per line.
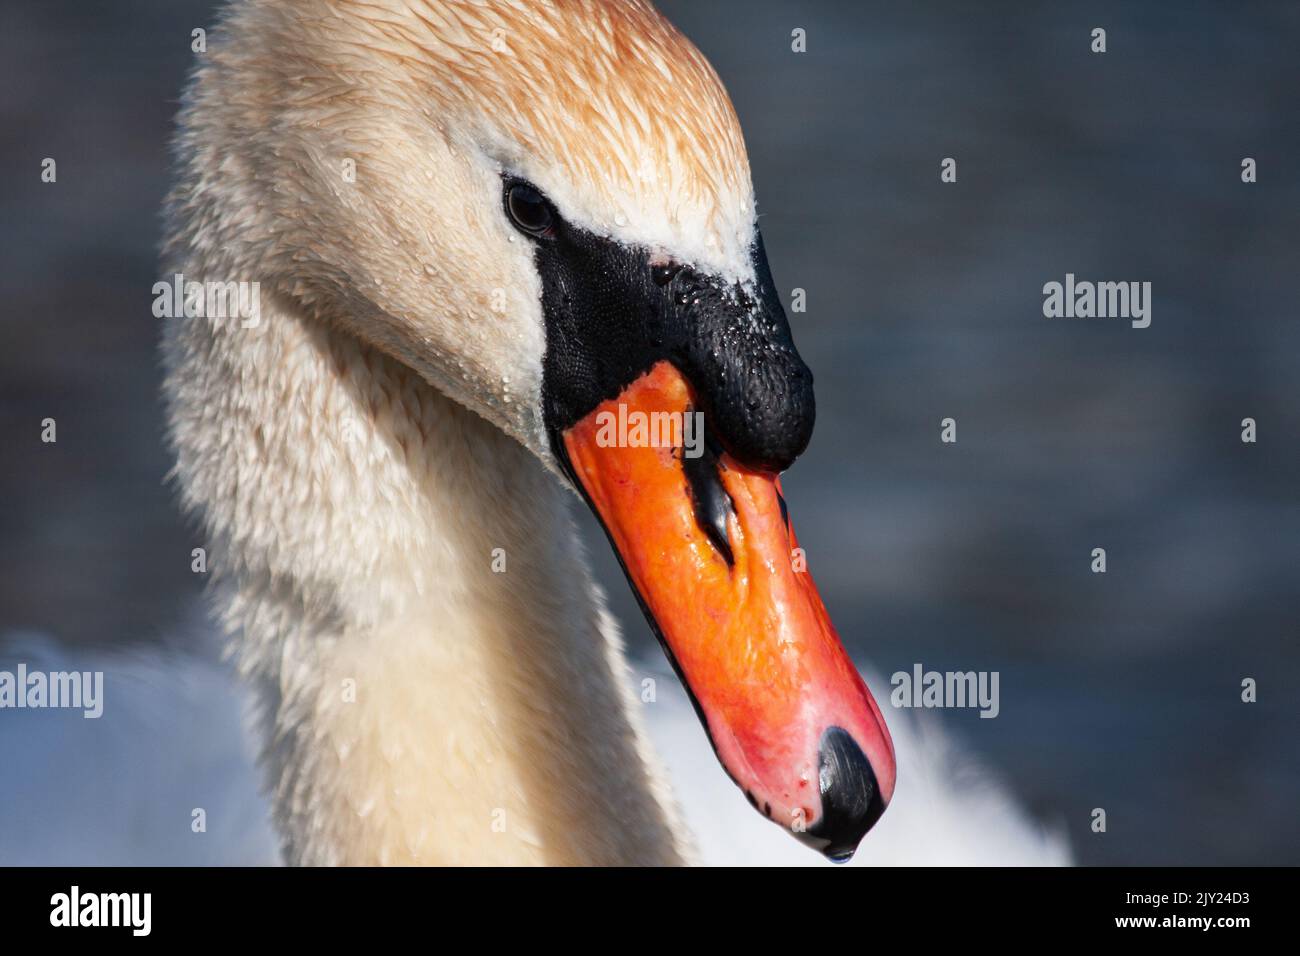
851	802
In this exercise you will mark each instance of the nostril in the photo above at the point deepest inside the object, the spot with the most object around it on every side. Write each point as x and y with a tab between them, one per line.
851	801
713	505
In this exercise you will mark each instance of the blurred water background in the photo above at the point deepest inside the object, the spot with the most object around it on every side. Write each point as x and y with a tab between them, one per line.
924	301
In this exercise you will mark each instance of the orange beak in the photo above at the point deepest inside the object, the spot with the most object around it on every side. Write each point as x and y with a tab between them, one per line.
708	547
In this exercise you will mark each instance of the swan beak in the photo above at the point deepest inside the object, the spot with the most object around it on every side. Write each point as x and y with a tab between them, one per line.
708	547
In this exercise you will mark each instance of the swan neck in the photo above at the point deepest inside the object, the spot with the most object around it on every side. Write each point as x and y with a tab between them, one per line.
439	681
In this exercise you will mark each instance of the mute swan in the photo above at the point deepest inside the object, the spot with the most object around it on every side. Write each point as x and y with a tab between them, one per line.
476	229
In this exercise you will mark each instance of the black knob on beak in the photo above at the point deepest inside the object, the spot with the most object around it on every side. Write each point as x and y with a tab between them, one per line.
754	389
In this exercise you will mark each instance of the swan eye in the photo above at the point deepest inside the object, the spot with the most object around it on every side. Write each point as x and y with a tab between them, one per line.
529	210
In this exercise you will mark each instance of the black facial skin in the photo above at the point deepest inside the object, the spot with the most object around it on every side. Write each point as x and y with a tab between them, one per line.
611	315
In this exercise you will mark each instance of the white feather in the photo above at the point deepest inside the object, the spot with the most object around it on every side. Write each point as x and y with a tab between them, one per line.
175	737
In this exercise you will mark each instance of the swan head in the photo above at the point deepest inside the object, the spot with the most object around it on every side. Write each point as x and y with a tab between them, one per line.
545	209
